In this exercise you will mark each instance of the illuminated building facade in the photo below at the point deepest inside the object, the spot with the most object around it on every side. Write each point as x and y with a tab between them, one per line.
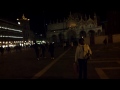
72	28
12	34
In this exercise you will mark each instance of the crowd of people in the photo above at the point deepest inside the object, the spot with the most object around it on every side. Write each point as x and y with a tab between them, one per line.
82	49
9	49
41	49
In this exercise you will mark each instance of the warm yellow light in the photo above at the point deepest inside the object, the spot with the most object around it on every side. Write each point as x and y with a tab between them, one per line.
17	19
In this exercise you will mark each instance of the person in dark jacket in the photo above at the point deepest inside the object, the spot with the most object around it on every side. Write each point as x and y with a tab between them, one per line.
51	50
43	49
105	41
36	48
2	50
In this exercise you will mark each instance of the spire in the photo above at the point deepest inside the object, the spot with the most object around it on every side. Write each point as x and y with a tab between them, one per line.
57	20
81	17
95	16
64	19
60	20
85	17
50	22
23	16
70	13
89	16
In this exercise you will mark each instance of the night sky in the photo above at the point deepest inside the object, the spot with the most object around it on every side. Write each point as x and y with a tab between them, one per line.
51	10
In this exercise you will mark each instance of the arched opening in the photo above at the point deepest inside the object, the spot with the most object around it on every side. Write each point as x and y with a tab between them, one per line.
71	35
99	32
91	33
82	34
61	37
54	38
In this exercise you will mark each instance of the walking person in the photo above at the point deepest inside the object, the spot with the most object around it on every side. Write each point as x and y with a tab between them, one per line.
71	44
43	50
105	42
81	58
36	48
51	50
64	46
2	50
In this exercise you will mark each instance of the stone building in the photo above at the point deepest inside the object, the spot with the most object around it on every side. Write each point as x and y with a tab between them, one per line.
12	34
27	32
72	28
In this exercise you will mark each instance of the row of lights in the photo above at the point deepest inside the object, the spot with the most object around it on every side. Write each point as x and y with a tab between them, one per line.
11	42
11	29
17	41
10	36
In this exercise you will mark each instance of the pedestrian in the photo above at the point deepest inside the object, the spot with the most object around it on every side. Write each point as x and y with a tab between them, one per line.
43	50
51	50
82	51
36	48
71	44
105	41
64	46
2	50
8	49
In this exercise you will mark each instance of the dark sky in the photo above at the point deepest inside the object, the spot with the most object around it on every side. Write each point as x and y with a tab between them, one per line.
52	10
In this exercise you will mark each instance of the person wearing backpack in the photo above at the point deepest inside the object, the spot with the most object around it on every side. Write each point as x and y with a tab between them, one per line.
82	54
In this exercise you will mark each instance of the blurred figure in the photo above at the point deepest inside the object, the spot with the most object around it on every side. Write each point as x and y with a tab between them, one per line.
36	48
2	50
64	45
105	41
43	49
8	49
71	44
51	50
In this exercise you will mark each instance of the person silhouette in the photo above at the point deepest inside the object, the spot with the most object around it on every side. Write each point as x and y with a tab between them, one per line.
36	48
81	51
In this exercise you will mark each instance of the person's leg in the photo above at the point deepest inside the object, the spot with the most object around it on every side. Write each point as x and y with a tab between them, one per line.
52	55
37	55
85	69
80	68
44	54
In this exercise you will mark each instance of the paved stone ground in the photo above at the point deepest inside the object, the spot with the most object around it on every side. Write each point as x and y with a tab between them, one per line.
105	64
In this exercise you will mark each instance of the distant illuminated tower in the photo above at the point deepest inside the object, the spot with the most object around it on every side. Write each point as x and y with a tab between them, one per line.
24	22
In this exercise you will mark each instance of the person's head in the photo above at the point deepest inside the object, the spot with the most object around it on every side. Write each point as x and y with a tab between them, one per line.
81	41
